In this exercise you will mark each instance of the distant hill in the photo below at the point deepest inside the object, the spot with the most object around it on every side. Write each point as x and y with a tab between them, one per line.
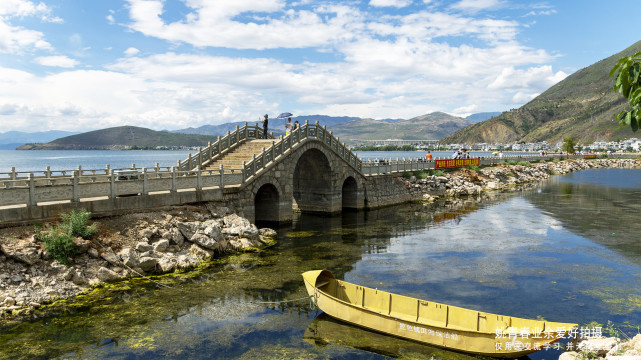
12	139
478	117
582	105
120	137
432	126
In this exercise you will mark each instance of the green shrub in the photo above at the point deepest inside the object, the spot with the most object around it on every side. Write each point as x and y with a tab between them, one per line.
407	174
511	162
77	220
439	173
59	243
523	163
422	174
474	168
511	174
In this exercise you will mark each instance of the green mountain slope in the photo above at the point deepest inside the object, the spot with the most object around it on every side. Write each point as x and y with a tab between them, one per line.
425	127
582	105
121	137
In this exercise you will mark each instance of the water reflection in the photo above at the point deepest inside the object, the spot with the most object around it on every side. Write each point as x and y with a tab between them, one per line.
549	252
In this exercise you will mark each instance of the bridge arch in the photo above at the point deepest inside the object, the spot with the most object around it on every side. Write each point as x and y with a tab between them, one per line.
313	189
267	204
349	193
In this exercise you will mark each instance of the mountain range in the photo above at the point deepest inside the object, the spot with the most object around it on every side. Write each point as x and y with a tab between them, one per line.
582	106
121	137
349	129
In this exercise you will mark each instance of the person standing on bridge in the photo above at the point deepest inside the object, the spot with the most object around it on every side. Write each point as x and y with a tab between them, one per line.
265	124
428	156
288	126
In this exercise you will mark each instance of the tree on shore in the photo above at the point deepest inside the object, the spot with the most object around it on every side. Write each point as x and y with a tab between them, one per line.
568	145
628	83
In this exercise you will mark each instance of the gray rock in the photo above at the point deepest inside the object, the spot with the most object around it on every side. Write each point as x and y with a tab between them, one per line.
213	231
204	241
82	245
143	247
111	258
93	253
147	264
167	264
106	275
161	245
201	252
129	257
22	250
187	229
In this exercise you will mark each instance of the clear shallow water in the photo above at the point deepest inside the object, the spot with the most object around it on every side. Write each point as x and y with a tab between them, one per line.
565	250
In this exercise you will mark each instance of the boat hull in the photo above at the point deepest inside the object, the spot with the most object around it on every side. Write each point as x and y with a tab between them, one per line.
431	323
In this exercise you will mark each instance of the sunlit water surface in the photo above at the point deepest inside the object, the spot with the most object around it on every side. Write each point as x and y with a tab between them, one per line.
566	250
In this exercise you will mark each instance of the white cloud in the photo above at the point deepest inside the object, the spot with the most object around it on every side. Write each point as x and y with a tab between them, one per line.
17	39
213	24
57	61
131	51
390	3
477	5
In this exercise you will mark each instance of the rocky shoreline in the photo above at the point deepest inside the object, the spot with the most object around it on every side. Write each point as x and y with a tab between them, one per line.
180	238
130	246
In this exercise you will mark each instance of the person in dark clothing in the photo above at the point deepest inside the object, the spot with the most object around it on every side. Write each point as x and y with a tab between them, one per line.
265	123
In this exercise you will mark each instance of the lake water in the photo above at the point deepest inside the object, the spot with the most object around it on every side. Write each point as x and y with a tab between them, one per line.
26	161
567	250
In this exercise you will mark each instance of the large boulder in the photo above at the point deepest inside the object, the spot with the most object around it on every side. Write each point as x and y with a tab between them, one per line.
147	264
25	251
187	229
204	241
106	275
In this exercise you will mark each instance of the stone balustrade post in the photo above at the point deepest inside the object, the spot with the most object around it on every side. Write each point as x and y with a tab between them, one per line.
174	173
200	157
178	164
273	151
210	151
253	164
262	154
246	131
222	176
112	184
243	171
199	179
13	173
145	188
75	181
32	190
133	166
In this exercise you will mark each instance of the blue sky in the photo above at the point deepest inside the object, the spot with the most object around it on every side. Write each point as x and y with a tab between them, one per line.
169	64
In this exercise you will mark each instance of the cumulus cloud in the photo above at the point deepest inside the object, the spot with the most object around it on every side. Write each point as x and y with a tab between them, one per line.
131	51
477	5
391	3
392	66
56	61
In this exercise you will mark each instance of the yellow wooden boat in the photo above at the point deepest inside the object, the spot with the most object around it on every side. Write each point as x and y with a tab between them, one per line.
432	323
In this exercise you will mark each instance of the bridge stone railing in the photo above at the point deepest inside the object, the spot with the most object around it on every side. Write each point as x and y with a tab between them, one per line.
20	188
215	150
306	131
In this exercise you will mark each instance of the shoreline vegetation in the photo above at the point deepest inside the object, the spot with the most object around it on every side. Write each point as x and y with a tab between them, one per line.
177	241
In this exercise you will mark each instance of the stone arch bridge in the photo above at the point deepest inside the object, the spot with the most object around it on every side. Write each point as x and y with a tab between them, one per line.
269	178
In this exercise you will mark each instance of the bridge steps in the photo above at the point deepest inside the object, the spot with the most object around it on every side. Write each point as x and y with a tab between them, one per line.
244	152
